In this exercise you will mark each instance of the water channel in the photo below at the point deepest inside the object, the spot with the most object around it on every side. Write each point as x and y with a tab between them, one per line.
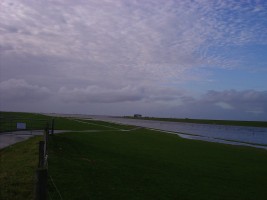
236	135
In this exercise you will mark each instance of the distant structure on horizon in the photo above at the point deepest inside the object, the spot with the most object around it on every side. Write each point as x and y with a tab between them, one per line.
137	116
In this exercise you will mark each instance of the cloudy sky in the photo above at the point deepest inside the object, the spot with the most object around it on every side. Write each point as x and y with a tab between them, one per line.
165	58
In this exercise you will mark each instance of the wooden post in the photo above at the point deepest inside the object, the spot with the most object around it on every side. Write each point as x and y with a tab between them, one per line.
46	134
52	126
41	184
41	154
46	141
10	126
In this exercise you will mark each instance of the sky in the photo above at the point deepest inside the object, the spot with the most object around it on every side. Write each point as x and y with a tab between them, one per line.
162	58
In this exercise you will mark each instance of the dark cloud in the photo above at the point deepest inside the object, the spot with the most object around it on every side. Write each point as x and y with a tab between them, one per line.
96	94
248	100
228	104
18	90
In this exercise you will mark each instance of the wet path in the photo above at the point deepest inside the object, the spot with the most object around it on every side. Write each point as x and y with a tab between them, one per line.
9	138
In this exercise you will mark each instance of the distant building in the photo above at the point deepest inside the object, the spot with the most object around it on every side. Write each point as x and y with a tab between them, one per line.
137	116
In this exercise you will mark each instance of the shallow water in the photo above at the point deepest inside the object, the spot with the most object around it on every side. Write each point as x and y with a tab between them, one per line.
208	132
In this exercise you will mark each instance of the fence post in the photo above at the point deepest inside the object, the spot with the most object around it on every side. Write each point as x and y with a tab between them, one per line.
41	172
41	184
41	154
52	126
46	134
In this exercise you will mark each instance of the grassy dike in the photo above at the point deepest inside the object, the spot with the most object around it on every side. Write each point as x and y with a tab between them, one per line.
17	170
206	121
144	164
108	162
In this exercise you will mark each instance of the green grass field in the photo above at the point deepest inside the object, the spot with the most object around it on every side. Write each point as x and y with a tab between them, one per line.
8	121
107	162
145	164
207	121
17	167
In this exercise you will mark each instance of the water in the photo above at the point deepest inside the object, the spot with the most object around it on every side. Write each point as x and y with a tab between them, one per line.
208	132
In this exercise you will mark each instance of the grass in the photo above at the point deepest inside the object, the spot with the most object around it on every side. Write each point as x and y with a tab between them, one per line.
23	115
139	164
33	121
145	164
208	121
38	121
17	167
19	162
81	125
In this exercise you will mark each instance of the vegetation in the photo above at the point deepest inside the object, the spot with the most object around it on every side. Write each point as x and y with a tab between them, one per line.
207	121
22	115
8	122
33	121
100	160
144	164
19	161
17	170
81	125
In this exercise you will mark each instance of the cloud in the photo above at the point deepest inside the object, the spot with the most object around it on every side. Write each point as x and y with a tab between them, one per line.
18	90
246	104
160	39
99	95
96	94
248	100
128	52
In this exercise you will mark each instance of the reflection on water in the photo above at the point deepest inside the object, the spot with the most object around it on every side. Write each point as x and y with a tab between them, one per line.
207	132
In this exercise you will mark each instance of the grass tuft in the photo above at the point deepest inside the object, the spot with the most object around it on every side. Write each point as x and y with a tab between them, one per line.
17	170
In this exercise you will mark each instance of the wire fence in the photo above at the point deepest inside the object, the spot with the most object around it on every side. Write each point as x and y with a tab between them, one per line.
13	124
52	190
44	186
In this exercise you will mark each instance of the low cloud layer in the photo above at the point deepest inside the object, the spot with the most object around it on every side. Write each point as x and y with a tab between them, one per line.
96	94
248	101
236	103
18	90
